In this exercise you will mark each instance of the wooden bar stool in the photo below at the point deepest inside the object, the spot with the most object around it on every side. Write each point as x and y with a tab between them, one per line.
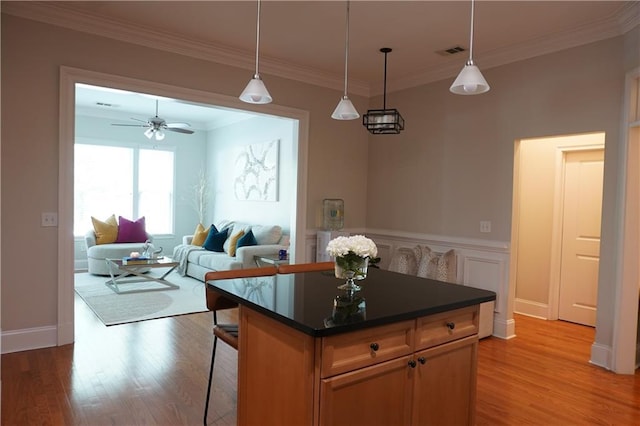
228	333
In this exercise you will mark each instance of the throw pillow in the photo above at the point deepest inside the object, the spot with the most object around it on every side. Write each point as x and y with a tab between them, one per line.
200	235
215	240
131	231
107	231
441	267
233	242
266	234
247	239
404	261
234	228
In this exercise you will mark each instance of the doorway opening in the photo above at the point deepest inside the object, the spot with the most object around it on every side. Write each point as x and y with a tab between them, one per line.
66	247
557	181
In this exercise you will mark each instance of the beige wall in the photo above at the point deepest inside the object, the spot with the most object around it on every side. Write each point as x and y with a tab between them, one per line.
30	81
451	168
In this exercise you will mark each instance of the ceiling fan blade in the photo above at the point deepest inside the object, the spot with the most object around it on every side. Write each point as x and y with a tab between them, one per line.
179	130
142	121
178	125
130	125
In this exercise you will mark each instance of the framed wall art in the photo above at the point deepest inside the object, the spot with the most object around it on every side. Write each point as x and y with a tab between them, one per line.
256	172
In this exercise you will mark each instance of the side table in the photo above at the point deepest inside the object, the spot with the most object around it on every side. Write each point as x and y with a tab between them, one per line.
263	260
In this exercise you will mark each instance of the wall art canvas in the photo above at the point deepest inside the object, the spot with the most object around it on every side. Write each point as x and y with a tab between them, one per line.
256	172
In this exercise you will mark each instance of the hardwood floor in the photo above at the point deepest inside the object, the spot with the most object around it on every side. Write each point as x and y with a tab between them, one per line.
155	373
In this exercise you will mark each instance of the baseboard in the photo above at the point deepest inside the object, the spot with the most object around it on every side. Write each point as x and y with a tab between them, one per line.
601	355
504	329
29	338
531	309
80	264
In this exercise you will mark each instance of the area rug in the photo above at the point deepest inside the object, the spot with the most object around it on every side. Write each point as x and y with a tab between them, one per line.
114	308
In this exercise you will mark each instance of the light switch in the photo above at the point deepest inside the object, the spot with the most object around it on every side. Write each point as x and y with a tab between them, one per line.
49	219
485	226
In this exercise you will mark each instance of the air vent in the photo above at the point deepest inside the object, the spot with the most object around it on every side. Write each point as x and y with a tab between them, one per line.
107	105
451	51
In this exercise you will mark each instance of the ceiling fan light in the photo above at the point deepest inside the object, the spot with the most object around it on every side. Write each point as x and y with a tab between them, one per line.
470	81
159	135
345	110
256	92
148	133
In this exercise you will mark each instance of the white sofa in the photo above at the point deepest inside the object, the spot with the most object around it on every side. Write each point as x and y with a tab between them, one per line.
97	253
195	261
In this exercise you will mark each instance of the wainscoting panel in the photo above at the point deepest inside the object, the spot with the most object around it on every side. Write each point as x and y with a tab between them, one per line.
483	273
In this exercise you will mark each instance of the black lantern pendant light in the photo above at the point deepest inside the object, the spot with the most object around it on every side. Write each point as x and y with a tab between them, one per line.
383	121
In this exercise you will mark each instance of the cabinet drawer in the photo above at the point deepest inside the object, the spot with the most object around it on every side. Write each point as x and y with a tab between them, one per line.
447	326
349	351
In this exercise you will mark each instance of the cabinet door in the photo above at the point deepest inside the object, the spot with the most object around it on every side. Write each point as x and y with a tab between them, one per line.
445	384
376	395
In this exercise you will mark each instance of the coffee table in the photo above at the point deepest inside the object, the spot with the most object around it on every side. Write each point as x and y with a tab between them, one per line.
138	272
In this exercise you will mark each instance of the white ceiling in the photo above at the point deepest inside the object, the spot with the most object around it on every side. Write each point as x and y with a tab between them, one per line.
304	40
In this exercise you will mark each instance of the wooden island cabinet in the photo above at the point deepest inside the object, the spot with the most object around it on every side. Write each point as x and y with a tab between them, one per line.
410	360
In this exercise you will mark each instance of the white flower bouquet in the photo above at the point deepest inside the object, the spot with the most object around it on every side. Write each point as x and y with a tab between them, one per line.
358	245
352	255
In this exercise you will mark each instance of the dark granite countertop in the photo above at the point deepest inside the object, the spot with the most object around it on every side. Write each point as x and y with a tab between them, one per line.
305	301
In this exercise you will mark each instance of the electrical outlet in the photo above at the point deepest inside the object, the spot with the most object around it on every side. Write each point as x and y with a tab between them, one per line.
49	219
485	226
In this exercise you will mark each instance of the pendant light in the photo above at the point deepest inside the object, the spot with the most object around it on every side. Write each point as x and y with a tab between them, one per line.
256	92
383	121
470	80
345	109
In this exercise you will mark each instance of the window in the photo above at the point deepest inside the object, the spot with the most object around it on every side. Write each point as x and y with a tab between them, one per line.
125	181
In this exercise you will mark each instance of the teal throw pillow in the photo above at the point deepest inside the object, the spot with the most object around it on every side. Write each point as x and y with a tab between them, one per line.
215	240
247	239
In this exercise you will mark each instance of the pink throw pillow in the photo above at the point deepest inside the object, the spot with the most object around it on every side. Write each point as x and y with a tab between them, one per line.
131	232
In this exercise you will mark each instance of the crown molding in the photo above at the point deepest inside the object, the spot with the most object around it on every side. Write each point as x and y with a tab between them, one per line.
621	22
59	14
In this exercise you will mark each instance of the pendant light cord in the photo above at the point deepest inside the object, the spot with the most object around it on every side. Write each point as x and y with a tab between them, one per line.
471	35
346	53
257	37
384	96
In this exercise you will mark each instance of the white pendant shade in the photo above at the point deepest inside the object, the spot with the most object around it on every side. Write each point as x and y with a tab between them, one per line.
470	81
345	110
256	92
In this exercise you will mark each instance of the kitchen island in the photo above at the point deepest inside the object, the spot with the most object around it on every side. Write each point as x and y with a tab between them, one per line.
402	351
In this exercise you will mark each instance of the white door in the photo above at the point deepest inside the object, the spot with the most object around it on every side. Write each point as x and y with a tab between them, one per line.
581	236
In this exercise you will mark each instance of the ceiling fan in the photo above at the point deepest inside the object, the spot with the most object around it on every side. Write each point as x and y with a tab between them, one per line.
157	125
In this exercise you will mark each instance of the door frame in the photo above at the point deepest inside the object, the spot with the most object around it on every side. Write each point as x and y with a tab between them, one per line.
558	213
68	78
